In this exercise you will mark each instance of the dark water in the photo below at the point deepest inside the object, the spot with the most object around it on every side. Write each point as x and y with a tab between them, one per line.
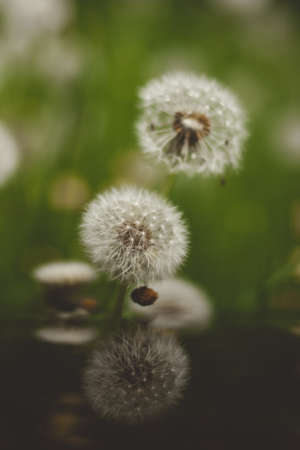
244	393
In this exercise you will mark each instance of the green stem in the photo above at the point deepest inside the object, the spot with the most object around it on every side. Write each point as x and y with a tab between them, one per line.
120	303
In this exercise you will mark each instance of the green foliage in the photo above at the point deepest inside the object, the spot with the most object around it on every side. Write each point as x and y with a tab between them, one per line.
241	232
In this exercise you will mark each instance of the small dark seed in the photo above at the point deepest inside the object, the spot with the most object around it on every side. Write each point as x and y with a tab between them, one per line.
144	296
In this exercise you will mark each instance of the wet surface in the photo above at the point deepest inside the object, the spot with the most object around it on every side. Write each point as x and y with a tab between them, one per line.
243	393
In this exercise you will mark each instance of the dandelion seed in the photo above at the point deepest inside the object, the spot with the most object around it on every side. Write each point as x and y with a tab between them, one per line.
191	124
124	238
144	296
110	370
89	304
180	304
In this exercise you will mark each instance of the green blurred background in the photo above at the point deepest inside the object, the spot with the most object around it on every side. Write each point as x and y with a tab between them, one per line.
69	98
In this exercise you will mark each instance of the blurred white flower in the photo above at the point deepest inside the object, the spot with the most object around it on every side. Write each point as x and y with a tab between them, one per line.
68	192
180	304
26	20
11	50
64	273
66	335
192	124
243	7
9	154
285	136
59	59
43	137
136	376
134	235
272	36
136	168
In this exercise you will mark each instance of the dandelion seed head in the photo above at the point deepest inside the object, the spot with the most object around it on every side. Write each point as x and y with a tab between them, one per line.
136	376
180	304
128	231
64	273
191	123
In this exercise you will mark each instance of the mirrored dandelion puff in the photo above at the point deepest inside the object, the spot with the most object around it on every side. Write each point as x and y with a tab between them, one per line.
191	123
136	376
134	235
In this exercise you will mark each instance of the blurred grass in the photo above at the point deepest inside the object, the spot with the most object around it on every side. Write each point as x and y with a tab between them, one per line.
240	232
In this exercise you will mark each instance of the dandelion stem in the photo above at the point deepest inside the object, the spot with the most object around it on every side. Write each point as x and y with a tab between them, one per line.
120	302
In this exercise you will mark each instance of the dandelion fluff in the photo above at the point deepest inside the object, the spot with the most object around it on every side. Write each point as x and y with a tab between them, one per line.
134	235
192	124
180	304
136	376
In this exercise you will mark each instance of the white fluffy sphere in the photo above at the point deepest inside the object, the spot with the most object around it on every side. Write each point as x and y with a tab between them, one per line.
192	124
134	235
136	376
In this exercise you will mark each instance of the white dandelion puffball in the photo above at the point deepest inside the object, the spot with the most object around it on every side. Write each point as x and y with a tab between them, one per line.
134	235
180	304
136	376
66	335
64	273
191	123
9	154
